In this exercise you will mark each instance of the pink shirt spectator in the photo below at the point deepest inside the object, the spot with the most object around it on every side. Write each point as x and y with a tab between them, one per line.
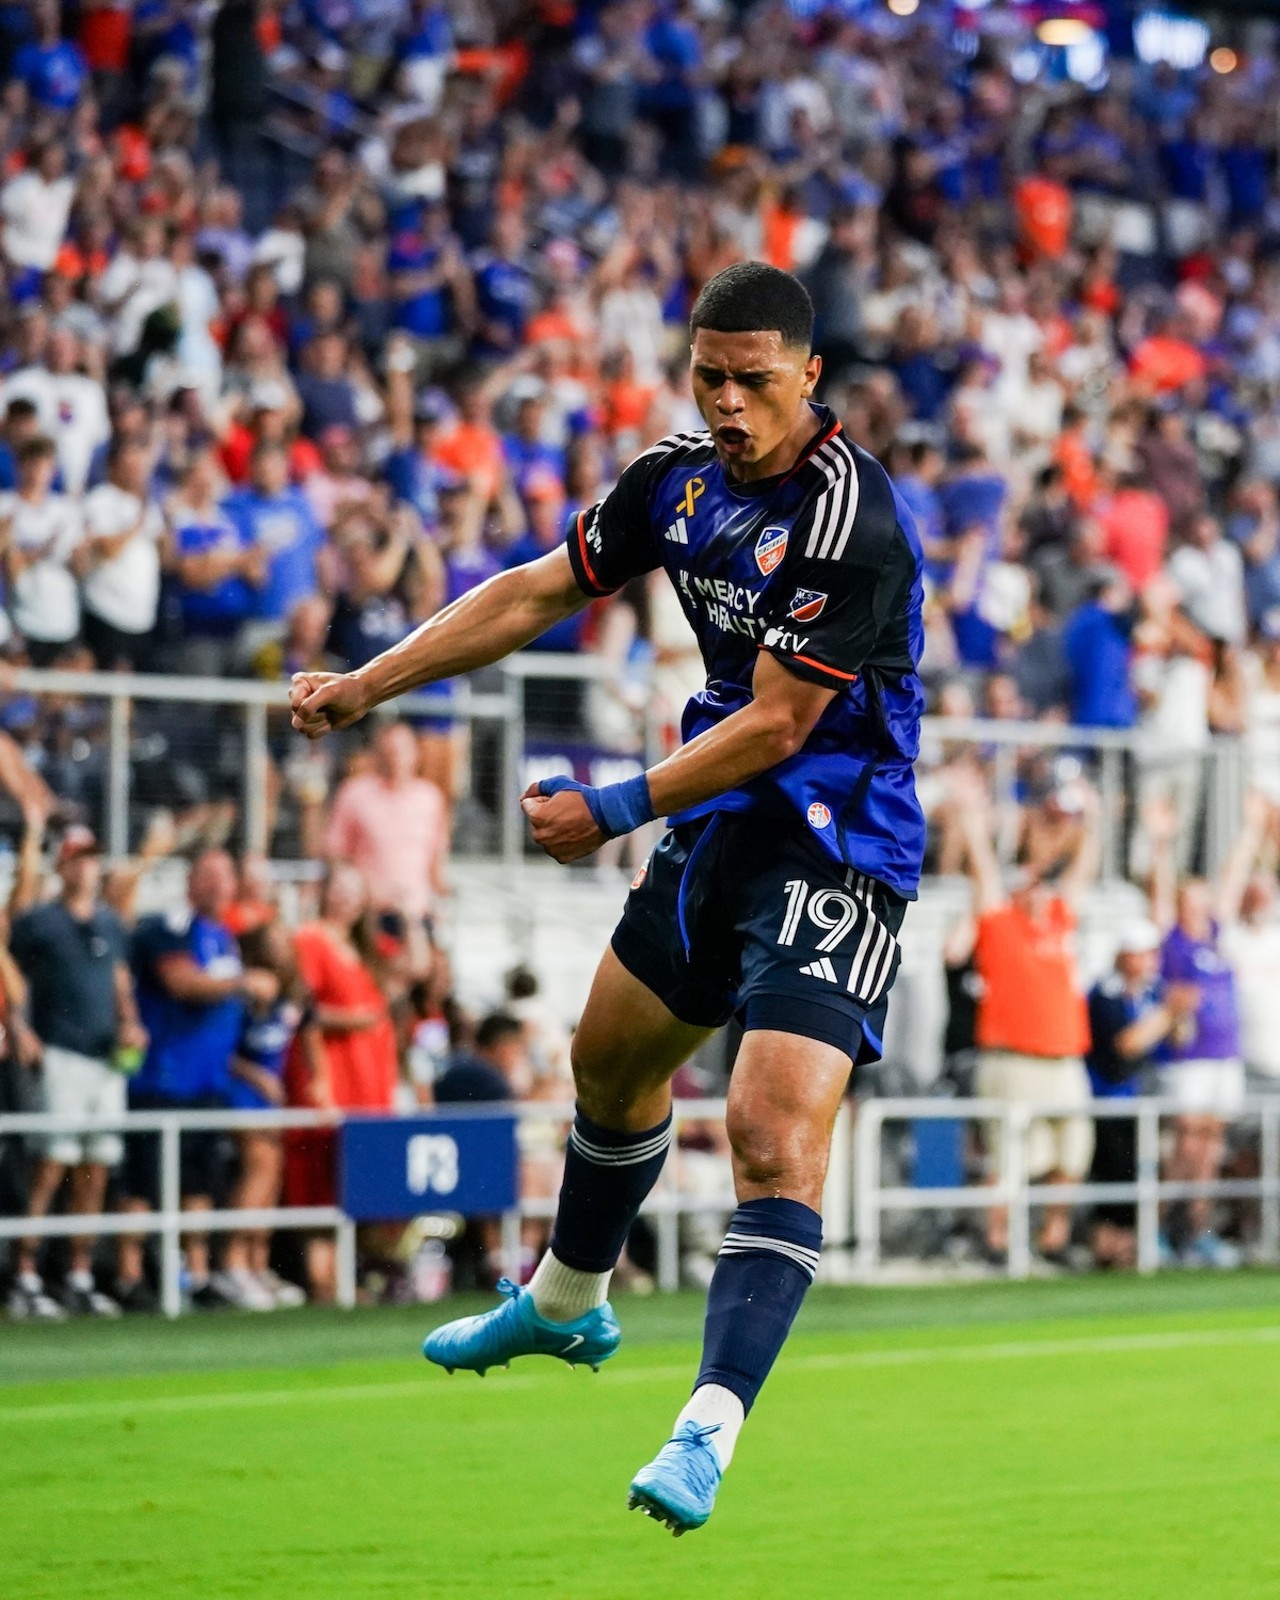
397	834
1135	525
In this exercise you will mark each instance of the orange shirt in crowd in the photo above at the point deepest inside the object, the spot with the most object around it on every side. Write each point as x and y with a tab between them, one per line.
1032	1001
1079	474
361	1062
1135	527
473	451
1043	209
1166	363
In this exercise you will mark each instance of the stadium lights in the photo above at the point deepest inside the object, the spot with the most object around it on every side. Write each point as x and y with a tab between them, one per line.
1063	32
904	8
1223	60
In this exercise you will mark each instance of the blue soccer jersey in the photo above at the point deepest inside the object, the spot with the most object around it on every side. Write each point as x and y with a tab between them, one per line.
821	566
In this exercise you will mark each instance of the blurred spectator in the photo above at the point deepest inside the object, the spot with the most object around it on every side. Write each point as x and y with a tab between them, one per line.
495	1067
355	1067
72	954
1130	1016
121	560
216	570
256	1083
40	535
1097	644
390	824
1032	1024
1251	939
192	991
1201	1066
276	521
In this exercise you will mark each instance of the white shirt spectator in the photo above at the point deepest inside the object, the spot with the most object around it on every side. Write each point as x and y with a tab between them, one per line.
631	319
1211	582
1177	721
1011	337
72	410
135	289
46	599
1253	951
125	590
35	218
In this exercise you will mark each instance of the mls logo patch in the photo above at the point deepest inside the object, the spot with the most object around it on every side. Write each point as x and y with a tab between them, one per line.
771	546
806	604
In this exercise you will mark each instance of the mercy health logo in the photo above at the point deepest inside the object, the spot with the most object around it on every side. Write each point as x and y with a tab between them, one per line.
806	604
771	546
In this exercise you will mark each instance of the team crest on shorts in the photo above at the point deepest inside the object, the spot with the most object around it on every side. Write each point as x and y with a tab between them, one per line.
771	546
818	815
806	604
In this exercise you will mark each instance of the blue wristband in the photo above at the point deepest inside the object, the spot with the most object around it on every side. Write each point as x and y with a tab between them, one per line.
616	809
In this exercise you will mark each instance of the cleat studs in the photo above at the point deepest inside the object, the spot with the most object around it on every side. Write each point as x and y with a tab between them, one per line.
450	1370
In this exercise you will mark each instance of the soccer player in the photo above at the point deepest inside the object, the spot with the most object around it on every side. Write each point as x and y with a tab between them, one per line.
795	843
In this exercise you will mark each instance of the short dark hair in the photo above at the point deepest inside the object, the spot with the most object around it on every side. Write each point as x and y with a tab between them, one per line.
496	1029
753	297
37	449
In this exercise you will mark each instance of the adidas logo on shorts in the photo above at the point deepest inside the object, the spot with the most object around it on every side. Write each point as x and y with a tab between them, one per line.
821	968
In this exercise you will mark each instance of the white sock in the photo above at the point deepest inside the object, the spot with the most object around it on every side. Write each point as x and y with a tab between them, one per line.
714	1404
81	1280
31	1282
563	1294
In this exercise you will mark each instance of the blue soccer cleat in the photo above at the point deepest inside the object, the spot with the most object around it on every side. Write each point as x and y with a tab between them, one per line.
679	1485
515	1329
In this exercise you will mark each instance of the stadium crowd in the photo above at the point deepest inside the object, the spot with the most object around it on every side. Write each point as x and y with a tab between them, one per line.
315	315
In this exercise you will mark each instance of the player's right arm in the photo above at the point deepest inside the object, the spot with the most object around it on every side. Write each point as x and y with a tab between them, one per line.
486	624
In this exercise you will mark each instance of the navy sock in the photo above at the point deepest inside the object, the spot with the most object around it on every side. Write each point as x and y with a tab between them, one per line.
766	1265
607	1176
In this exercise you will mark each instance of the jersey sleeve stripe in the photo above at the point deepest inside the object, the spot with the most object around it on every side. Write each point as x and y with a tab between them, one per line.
849	511
587	568
847	677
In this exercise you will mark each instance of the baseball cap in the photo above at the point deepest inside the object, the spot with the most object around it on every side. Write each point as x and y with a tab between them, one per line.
1138	937
77	841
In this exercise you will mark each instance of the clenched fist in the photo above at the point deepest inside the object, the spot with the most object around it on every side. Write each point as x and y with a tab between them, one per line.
323	702
562	824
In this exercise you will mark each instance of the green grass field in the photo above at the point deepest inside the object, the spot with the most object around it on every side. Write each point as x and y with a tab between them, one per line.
1111	1438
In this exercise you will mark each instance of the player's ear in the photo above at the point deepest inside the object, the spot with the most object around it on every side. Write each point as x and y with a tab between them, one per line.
812	372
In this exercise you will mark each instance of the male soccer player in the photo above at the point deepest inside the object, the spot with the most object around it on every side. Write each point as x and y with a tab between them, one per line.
795	842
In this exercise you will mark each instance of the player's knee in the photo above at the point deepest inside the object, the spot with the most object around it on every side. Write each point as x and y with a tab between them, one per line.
768	1152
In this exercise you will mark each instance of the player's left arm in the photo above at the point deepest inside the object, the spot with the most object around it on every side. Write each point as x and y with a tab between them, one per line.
773	726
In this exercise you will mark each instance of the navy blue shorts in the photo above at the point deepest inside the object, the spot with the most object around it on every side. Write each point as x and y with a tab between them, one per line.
745	916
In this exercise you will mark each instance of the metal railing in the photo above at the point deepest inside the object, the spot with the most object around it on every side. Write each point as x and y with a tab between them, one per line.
1014	1189
855	1199
665	1206
1113	754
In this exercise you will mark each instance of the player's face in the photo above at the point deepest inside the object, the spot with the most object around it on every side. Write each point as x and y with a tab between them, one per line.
751	389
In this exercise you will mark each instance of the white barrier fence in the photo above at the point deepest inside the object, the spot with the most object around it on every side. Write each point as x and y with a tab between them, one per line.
854	1202
1014	1188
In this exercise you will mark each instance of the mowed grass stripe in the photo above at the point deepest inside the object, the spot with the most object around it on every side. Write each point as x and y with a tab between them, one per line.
833	1361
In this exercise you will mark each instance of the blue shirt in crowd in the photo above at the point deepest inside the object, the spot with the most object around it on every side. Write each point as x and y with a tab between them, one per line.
189	1054
217	612
286	528
1096	642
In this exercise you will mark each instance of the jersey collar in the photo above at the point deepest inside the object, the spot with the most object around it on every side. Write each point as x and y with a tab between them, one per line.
827	426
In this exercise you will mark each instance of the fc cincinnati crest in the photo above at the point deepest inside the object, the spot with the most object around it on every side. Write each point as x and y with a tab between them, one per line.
771	546
806	604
